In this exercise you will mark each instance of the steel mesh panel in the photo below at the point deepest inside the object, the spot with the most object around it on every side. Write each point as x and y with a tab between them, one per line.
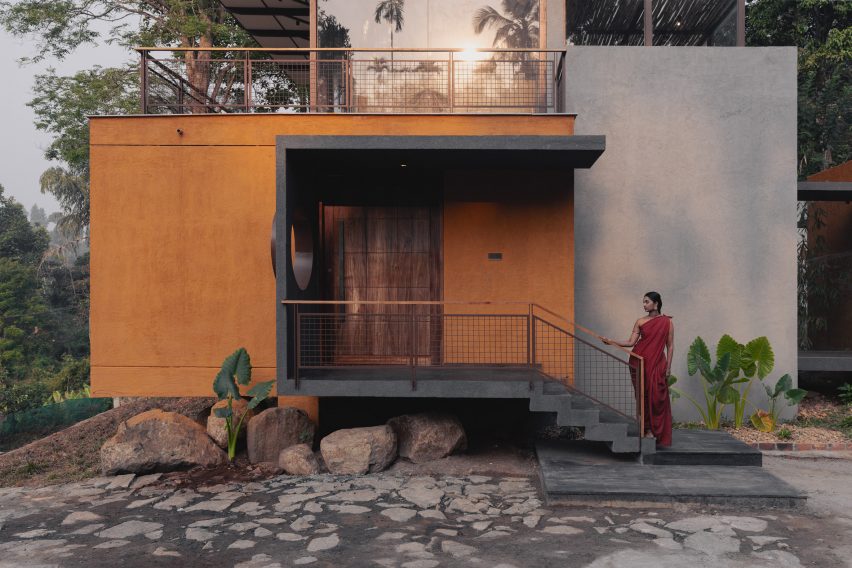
592	371
390	82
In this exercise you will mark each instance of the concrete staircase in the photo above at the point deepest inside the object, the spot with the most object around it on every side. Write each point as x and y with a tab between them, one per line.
600	423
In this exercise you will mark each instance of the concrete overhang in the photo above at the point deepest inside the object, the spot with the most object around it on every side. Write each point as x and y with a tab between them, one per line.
499	152
824	191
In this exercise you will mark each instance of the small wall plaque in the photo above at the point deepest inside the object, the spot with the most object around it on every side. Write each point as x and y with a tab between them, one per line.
495	256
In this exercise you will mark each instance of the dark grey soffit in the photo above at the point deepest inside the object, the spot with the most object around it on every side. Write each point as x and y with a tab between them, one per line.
505	152
824	191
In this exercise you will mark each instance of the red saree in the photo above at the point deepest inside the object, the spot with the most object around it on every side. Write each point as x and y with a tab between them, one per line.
653	336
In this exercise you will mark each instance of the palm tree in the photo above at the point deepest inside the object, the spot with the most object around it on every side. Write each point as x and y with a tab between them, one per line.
391	11
515	30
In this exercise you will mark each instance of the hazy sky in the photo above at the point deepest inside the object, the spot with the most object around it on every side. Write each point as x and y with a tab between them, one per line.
21	145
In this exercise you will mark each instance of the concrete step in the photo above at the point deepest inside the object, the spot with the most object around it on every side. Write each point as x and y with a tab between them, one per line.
601	424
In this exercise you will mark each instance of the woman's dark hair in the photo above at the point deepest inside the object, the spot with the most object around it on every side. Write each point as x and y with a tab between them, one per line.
655	297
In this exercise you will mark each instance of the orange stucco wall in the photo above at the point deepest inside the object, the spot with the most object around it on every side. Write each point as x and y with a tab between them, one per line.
181	210
528	218
837	235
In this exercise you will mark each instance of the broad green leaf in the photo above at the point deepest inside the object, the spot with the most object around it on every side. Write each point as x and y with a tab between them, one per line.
259	392
697	351
759	352
223	412
748	370
763	421
223	384
243	366
728	395
795	396
670	380
784	384
704	369
723	365
728	344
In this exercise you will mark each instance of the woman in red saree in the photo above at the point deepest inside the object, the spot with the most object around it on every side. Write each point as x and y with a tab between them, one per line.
653	340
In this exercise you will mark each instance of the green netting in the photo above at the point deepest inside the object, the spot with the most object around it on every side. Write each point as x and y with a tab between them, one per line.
53	416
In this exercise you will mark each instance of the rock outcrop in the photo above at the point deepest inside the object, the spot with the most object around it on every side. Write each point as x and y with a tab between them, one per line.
428	436
158	441
275	429
359	450
298	460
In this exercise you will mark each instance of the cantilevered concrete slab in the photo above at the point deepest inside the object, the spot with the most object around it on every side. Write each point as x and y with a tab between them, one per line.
581	474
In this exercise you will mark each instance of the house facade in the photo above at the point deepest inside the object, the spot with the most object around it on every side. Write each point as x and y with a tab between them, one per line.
444	204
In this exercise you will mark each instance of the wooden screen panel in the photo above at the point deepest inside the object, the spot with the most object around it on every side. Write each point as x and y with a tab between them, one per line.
385	254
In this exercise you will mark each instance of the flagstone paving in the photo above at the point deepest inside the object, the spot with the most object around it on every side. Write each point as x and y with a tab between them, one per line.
389	521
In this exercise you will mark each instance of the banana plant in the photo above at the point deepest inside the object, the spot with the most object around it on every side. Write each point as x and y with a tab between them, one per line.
765	421
754	359
717	382
236	369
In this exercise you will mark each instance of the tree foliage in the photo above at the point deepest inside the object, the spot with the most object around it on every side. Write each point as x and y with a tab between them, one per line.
822	31
62	104
44	342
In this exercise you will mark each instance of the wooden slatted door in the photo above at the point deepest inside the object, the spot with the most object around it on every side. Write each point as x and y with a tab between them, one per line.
387	254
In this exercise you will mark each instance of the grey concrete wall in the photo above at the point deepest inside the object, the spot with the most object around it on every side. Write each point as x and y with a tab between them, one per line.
695	195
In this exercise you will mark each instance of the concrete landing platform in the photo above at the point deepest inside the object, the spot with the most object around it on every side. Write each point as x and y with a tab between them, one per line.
575	473
705	447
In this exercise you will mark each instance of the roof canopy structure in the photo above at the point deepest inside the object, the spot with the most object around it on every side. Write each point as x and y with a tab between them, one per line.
674	22
273	23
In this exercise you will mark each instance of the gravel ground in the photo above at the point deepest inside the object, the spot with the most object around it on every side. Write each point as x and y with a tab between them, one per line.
410	521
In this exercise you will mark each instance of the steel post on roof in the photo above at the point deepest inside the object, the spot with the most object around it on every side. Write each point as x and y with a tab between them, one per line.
649	23
740	23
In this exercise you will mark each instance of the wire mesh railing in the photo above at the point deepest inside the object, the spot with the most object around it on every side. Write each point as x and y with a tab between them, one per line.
338	80
447	340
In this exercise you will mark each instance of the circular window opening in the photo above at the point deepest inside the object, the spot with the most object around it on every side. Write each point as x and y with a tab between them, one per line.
302	253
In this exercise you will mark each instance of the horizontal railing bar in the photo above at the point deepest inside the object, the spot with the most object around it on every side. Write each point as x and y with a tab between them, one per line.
356	49
457	303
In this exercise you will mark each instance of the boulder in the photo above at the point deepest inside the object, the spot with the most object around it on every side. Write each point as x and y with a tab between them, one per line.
298	460
359	450
158	441
428	436
275	429
216	426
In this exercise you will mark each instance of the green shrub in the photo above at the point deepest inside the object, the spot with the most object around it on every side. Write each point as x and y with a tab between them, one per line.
785	434
236	369
845	393
18	397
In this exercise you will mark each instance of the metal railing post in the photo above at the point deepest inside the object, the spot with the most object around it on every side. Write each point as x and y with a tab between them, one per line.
530	351
451	82
347	64
414	348
247	81
298	359
143	79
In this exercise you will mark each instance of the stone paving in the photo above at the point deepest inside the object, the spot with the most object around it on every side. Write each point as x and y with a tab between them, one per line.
386	521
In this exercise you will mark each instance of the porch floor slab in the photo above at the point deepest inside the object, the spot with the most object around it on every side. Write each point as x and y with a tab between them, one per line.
586	473
705	447
431	382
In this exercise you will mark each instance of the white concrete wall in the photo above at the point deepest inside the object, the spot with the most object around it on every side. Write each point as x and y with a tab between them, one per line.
694	197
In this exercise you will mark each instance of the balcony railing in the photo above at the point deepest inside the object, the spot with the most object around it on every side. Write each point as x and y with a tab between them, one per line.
459	340
339	80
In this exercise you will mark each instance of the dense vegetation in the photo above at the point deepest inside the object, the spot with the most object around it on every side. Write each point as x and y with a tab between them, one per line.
44	303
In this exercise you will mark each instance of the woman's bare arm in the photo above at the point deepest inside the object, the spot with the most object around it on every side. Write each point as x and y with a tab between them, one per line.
670	349
634	337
